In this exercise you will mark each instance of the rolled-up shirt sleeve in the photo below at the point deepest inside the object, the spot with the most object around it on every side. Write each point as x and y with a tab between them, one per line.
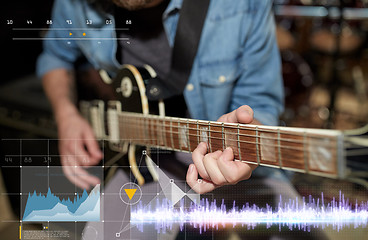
58	50
260	85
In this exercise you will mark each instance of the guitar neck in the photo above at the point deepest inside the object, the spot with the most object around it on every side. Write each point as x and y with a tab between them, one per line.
312	151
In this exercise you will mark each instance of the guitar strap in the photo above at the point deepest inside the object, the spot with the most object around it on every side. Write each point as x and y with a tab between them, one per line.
192	17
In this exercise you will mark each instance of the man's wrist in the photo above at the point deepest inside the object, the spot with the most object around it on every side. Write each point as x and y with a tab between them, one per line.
64	109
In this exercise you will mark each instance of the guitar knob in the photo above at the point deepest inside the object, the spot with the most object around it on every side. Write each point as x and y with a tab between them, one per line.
154	91
126	87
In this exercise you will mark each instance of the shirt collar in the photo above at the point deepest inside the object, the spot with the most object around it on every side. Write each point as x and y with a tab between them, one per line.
173	5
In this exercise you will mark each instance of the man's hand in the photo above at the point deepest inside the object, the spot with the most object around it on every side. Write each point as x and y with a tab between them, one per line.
219	168
77	144
78	149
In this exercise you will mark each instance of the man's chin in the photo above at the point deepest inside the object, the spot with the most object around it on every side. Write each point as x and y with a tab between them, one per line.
133	4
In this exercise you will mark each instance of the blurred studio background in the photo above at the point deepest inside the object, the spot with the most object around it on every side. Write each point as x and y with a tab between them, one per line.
324	50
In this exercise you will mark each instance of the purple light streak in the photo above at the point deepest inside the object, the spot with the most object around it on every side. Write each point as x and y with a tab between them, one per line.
207	215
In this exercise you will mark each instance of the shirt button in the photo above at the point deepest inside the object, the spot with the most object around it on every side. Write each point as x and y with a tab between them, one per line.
190	87
222	78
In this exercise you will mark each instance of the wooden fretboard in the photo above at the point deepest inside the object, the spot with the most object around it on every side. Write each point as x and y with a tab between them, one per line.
311	151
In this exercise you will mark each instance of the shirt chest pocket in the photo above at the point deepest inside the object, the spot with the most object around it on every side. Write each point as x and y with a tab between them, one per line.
220	74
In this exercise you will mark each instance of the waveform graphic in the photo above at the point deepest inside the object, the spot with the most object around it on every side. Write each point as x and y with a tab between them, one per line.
41	208
292	214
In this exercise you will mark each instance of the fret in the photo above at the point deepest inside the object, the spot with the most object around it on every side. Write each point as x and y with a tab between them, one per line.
127	127
204	133
198	132
138	137
160	128
209	137
216	137
156	130
135	127
279	147
292	151
238	138
146	131
183	135
305	153
175	133
159	132
193	134
144	135
179	138
268	147
188	139
136	130
131	129
230	139
223	136
248	143
163	127
153	137
257	145
171	134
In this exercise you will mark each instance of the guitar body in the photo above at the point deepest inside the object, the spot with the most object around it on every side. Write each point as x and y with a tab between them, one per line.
130	89
127	91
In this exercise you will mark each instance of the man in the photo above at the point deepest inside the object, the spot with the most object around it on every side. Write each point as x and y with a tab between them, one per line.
235	75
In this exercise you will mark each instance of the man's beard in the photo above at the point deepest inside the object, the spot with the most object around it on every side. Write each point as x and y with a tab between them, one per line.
132	4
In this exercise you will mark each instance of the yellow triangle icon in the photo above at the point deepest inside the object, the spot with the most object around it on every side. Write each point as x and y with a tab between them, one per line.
130	192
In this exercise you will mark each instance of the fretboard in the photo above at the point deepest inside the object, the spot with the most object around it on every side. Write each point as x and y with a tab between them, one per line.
311	151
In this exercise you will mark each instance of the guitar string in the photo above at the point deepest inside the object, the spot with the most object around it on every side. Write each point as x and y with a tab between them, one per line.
164	126
245	135
214	124
138	130
293	163
164	132
227	133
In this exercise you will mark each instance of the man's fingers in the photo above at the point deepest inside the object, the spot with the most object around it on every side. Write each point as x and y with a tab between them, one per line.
233	171
197	156
86	177
243	114
83	157
69	173
198	185
212	168
80	177
92	146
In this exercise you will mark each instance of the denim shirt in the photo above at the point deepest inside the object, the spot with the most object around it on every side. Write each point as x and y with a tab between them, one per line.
237	61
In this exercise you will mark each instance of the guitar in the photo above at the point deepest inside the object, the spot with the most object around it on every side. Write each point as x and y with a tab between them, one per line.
128	121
